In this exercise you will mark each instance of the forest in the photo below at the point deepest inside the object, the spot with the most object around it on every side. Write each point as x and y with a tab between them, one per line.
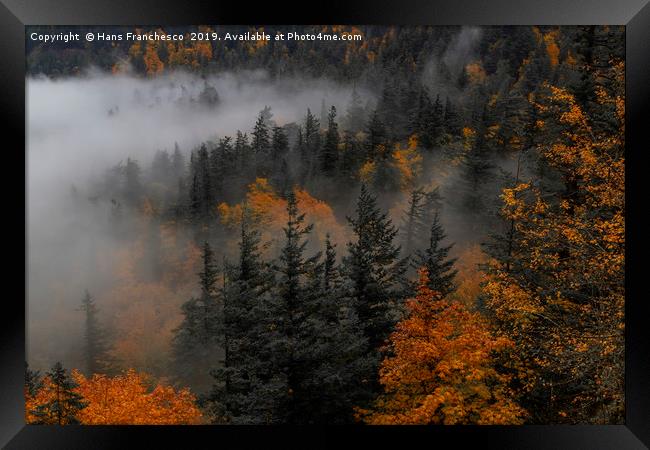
424	226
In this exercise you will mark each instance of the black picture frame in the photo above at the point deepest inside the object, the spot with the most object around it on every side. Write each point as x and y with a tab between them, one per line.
16	14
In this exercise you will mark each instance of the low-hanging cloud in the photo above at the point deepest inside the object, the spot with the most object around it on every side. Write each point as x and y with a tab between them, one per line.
79	127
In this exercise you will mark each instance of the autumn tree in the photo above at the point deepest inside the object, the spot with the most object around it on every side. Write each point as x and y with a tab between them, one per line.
440	369
557	292
127	399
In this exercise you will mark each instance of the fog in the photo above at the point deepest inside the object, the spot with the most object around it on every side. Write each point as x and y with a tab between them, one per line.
79	127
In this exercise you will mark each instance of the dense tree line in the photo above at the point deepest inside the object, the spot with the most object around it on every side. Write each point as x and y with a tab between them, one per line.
528	135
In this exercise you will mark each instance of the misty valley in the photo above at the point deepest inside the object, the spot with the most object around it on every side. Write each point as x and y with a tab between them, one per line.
422	226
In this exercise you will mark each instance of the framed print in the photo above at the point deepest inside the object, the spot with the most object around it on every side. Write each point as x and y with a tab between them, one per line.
359	223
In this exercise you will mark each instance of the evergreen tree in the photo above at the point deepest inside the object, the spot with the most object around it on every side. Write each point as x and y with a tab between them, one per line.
309	145
452	120
33	381
330	151
422	207
64	403
133	189
197	341
327	352
374	269
376	141
355	114
334	356
96	356
261	144
250	388
434	259
292	270
178	162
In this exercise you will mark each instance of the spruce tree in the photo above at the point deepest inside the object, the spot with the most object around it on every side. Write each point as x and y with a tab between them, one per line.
377	140
133	188
355	114
439	267
33	381
64	403
196	342
96	356
420	211
336	364
251	387
294	293
374	269
330	151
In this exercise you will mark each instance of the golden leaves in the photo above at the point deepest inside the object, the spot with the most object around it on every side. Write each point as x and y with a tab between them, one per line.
440	371
124	400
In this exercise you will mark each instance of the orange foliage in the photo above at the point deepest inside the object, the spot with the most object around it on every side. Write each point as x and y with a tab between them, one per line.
152	61
269	210
122	400
469	276
47	393
126	400
552	49
144	313
441	371
576	244
367	172
409	163
475	72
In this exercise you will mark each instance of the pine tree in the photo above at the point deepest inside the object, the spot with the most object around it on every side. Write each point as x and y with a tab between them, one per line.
355	114
33	381
374	269
434	259
63	402
416	221
261	144
334	356
178	162
376	141
292	271
197	341
309	145
330	151
250	388
96	355
327	352
452	119
133	189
